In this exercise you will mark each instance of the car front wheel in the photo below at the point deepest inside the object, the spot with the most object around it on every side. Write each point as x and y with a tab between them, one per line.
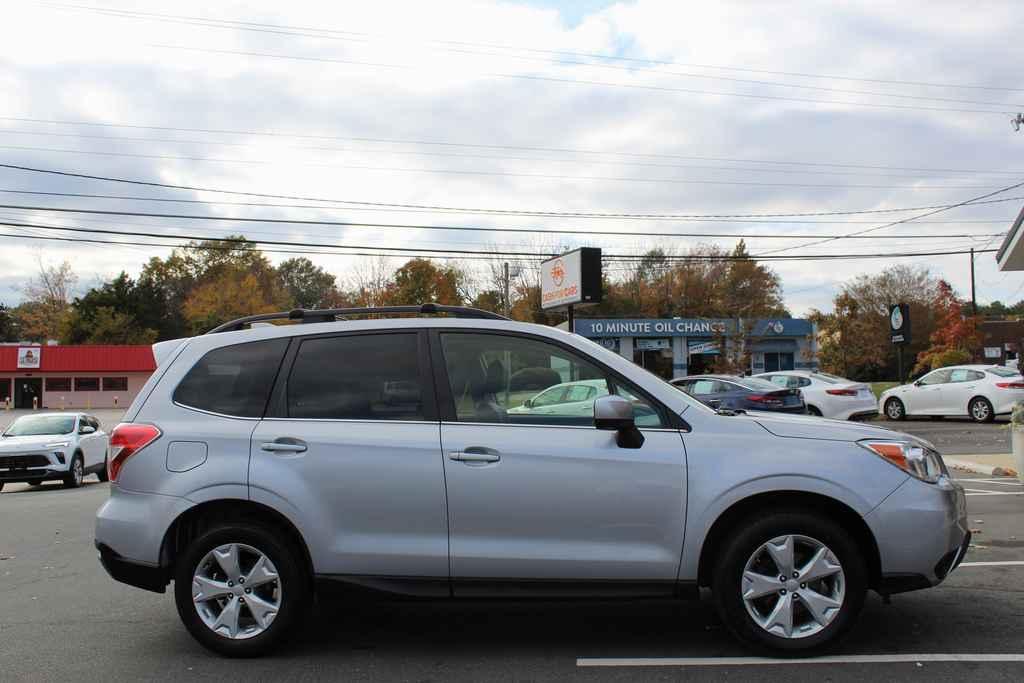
76	473
789	582
241	590
894	409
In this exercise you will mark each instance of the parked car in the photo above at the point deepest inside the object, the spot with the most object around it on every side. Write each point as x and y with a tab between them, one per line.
257	462
979	391
47	446
828	395
741	393
568	398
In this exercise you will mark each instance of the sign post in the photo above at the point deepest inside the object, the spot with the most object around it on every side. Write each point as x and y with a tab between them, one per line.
899	333
570	280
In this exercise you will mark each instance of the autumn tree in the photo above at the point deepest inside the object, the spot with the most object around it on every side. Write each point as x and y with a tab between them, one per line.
47	302
956	338
421	281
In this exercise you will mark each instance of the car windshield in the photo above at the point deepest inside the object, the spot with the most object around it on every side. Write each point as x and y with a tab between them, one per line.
39	425
1002	372
756	384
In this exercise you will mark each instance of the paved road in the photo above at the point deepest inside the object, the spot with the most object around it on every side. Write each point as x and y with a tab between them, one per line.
957	436
63	619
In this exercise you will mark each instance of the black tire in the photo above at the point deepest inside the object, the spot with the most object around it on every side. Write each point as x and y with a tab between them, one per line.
980	409
295	583
811	410
76	472
895	410
102	473
744	542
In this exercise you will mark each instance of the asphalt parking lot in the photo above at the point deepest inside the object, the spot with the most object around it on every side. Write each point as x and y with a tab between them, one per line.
956	435
62	618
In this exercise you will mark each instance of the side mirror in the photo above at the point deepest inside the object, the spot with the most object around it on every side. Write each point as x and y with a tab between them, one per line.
714	403
918	383
528	403
614	413
86	429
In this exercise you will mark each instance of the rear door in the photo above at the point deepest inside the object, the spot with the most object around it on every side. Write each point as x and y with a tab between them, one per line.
549	498
350	448
962	387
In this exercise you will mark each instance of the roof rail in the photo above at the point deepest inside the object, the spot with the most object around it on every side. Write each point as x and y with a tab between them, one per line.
327	315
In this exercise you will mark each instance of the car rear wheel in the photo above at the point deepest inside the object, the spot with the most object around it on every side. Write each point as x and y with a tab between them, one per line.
102	474
981	410
241	590
894	409
789	582
76	473
812	410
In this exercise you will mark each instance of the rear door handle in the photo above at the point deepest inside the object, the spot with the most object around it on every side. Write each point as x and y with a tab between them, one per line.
469	456
285	445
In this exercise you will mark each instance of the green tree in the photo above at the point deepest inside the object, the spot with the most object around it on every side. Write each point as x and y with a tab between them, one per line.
137	307
308	285
8	325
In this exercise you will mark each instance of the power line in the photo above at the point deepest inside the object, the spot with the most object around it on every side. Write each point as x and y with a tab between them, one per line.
499	174
415	226
482	211
351	208
904	220
329	33
446	143
420	250
579	81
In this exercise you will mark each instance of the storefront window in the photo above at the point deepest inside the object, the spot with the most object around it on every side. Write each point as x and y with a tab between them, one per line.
773	362
87	384
58	384
115	384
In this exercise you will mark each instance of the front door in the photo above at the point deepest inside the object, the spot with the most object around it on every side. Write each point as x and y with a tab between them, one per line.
26	389
543	496
927	397
351	448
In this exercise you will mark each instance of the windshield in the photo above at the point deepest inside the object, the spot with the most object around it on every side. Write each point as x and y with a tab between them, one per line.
39	425
1002	372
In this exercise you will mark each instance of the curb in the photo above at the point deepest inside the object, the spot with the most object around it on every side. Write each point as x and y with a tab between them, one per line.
975	468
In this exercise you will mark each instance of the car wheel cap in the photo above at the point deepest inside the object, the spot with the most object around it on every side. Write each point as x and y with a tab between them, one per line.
793	586
980	410
236	591
77	473
894	409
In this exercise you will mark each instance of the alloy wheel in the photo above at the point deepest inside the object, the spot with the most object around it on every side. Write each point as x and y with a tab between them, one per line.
894	410
236	591
980	410
77	471
793	586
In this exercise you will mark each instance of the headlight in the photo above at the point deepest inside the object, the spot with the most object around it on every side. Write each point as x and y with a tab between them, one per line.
58	444
914	459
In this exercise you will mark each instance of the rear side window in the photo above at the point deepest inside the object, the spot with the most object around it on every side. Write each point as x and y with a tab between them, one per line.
233	380
357	377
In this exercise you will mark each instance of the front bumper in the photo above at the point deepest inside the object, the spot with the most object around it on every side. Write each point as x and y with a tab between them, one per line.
32	475
922	534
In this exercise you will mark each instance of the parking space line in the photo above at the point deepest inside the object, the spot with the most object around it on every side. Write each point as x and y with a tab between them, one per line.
1001	482
1004	563
980	492
762	661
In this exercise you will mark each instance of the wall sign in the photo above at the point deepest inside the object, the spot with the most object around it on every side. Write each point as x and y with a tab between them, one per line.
899	324
652	344
993	352
29	357
571	279
696	348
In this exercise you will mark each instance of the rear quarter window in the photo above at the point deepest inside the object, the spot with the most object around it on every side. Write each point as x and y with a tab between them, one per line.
233	380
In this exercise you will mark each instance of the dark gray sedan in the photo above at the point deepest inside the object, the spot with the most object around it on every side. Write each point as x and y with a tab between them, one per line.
741	393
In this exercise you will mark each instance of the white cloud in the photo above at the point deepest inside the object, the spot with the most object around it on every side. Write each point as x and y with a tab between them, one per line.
396	78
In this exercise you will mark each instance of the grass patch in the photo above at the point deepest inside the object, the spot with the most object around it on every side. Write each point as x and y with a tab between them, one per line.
879	387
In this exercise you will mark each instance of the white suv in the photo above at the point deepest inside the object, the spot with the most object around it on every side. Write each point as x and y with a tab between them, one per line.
46	446
388	453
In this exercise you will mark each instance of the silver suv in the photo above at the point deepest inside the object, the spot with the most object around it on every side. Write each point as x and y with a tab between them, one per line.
390	453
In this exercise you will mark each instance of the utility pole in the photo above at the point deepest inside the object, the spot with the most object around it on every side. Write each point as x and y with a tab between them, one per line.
505	283
974	300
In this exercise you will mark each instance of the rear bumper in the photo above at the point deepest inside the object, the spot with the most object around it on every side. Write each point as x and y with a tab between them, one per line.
146	576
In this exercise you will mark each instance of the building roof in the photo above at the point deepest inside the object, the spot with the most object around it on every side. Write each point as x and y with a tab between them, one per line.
92	358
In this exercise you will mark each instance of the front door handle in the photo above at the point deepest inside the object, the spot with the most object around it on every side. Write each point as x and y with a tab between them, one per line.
470	456
285	445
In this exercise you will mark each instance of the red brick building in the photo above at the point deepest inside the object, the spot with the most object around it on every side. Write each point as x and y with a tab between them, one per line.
73	377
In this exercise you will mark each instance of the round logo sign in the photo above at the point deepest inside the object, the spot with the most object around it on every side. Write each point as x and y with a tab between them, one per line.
896	318
558	273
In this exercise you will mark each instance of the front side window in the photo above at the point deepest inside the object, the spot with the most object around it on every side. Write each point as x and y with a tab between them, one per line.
233	380
357	377
483	371
937	377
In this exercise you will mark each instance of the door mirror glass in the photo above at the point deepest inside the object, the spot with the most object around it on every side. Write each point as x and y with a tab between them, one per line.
86	429
615	413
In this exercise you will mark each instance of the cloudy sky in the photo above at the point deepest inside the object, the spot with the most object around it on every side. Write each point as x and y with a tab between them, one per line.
642	108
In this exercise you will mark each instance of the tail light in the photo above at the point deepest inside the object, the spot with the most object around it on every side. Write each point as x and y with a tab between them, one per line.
1010	385
126	440
765	399
841	392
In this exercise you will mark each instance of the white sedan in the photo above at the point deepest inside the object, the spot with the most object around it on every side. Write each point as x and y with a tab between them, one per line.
44	446
827	395
979	391
568	399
